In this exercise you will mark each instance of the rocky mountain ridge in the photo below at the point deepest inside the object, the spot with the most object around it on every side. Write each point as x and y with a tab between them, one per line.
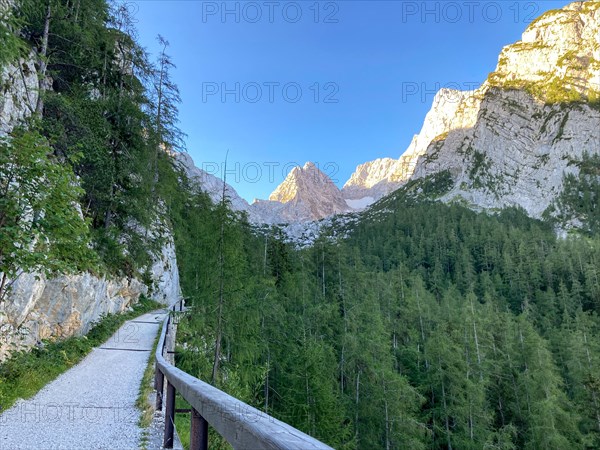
508	143
306	194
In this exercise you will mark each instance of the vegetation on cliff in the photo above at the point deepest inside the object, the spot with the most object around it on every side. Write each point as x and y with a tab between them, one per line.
85	179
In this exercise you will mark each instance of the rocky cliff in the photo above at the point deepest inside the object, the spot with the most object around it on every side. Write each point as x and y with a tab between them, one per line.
530	123
18	93
370	181
209	183
510	142
307	194
164	273
38	308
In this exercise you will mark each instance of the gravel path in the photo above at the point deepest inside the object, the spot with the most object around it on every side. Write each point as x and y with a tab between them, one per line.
92	405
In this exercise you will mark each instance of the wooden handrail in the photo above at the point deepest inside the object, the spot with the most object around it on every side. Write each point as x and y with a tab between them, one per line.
243	426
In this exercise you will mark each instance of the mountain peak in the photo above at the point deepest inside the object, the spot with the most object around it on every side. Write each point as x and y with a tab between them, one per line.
301	180
308	194
557	56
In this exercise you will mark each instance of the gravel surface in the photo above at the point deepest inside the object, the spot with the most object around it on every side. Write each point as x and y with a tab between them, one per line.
155	433
92	405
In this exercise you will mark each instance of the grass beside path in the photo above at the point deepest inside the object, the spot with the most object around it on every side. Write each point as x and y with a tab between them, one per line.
26	372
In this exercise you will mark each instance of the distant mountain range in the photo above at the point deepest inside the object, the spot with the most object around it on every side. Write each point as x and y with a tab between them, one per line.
508	143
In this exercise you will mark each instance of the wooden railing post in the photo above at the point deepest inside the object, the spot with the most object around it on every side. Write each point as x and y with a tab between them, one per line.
159	383
169	416
199	432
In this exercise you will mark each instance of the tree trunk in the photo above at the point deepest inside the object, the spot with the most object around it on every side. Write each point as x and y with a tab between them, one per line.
356	405
387	417
2	286
219	337
323	269
593	389
265	257
476	341
446	419
343	352
42	59
267	381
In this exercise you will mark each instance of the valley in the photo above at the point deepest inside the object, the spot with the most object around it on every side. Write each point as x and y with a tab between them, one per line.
447	298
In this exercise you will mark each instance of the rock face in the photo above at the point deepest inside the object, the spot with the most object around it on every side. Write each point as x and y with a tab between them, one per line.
308	194
209	183
516	154
18	86
561	46
511	141
38	308
18	93
531	121
451	110
370	181
508	143
165	275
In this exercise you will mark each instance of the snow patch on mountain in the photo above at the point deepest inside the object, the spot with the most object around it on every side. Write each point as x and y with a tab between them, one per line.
360	203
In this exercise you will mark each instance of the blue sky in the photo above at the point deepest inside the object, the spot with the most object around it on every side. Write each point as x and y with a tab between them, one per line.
333	82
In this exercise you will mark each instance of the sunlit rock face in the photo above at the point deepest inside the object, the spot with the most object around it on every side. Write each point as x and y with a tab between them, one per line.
535	117
371	180
308	194
451	110
508	143
511	141
561	46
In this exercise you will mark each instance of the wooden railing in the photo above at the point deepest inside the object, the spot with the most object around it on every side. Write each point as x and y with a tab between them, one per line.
243	426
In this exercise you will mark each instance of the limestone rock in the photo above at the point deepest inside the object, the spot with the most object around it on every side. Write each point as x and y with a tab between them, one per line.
38	308
308	194
510	142
165	275
18	93
534	117
372	180
209	183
